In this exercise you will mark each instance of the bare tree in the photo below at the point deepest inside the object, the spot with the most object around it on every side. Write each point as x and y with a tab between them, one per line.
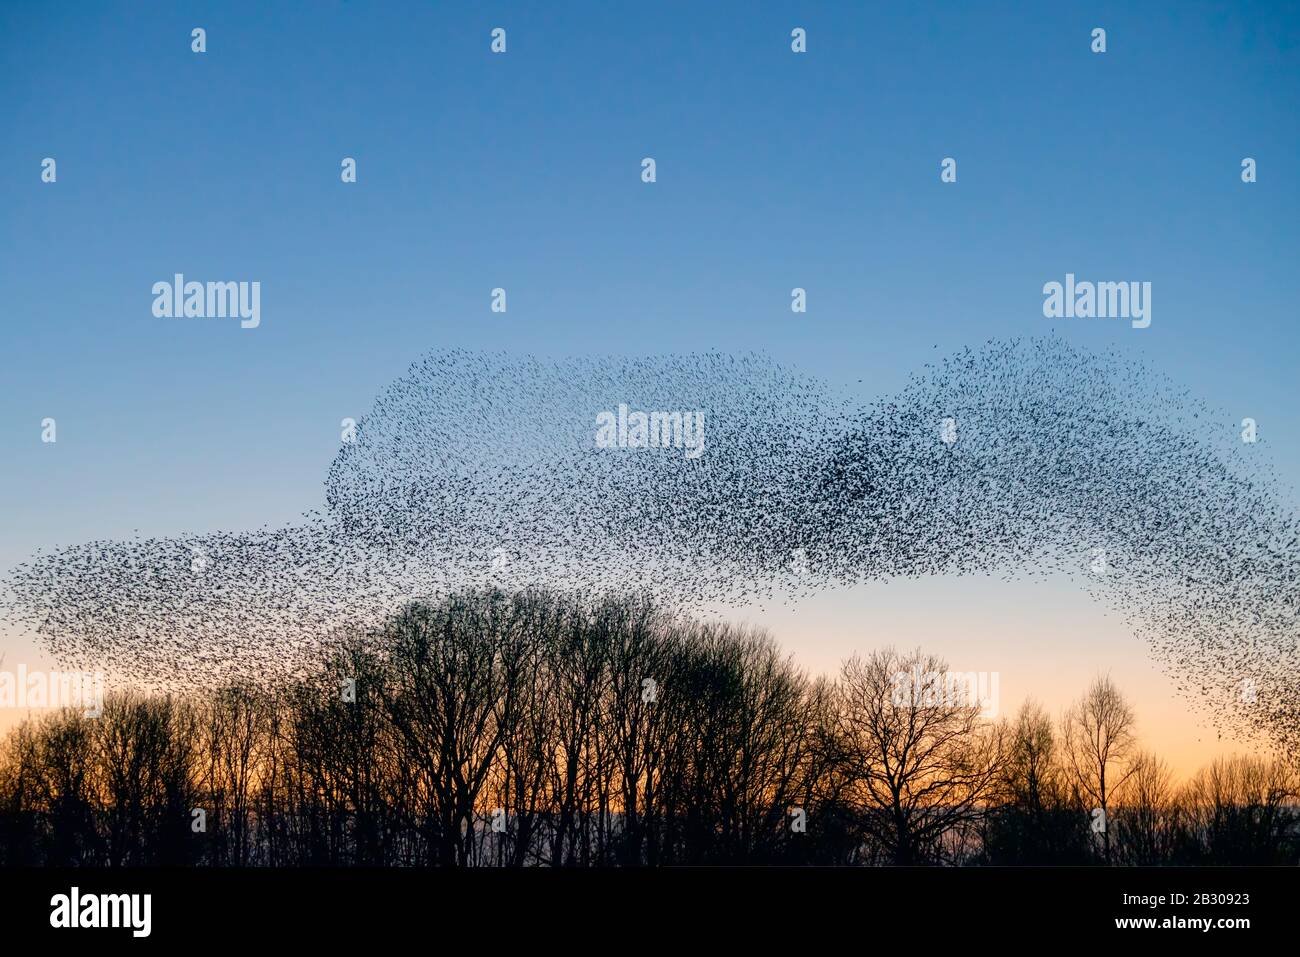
1033	820
524	771
450	703
920	758
1031	775
1242	811
234	738
535	728
642	694
1099	745
576	663
1147	818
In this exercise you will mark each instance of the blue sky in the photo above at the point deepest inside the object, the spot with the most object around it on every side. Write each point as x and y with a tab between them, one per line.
775	170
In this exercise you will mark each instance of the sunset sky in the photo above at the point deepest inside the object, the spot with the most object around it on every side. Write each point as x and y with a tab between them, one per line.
523	171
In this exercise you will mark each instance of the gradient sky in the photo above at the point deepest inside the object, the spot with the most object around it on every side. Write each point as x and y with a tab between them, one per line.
775	170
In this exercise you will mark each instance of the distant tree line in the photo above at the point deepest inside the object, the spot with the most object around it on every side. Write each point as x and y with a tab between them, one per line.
536	729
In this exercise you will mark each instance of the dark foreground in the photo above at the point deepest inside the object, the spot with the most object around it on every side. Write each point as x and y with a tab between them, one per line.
668	908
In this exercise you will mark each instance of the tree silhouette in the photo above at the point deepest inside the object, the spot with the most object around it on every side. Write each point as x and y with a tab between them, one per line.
920	758
1098	745
537	728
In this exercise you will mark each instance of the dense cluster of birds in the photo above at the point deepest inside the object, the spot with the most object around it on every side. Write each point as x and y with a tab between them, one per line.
1027	457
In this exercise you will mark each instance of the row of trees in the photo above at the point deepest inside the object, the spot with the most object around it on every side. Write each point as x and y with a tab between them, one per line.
536	729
